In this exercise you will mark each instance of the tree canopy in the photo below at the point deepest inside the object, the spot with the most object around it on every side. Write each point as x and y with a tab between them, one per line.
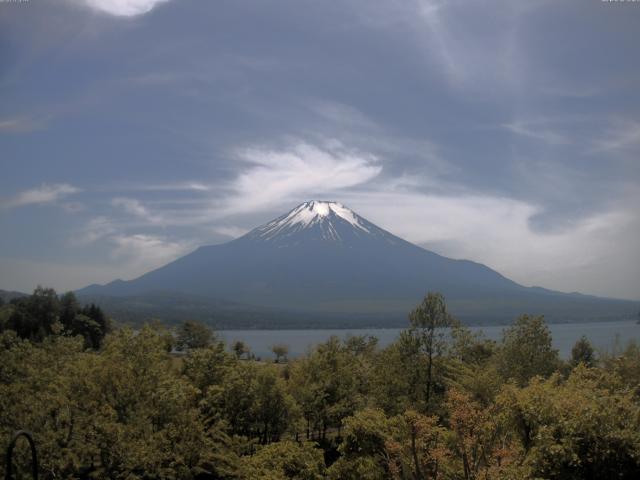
127	407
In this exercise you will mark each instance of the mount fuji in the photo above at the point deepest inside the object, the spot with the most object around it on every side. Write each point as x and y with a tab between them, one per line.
321	264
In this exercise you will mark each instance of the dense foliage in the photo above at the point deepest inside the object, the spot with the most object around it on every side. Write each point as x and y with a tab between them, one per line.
439	403
45	313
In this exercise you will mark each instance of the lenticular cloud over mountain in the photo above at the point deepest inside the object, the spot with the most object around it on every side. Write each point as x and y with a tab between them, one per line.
322	259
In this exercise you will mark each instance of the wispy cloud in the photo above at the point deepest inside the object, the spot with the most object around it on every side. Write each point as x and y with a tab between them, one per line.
186	186
19	125
183	186
135	253
301	169
136	208
41	195
621	135
121	8
230	231
459	45
341	114
535	131
96	229
144	251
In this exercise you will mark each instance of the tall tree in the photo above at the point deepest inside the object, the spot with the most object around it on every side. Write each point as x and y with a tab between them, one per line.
239	348
280	350
527	350
429	322
192	335
36	316
582	352
69	308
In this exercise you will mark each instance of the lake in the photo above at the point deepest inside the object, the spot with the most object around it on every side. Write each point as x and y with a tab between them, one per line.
603	335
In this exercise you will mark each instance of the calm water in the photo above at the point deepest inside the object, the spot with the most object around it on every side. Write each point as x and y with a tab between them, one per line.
603	336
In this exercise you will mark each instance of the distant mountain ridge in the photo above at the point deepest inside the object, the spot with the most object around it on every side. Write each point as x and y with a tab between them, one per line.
321	258
8	295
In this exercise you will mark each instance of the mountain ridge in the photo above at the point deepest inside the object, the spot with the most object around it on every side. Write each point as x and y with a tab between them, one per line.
321	257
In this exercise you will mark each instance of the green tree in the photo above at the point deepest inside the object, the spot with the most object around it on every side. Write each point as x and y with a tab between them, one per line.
251	401
120	413
239	348
281	351
527	350
481	444
69	308
89	329
5	313
585	428
192	335
625	366
36	316
398	376
329	385
582	352
417	448
471	348
429	323
285	460
89	322
363	451
205	367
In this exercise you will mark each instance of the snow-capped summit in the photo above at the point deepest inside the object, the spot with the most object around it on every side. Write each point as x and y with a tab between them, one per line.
315	211
319	220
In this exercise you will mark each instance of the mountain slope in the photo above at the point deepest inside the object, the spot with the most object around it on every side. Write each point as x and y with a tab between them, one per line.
321	257
7	295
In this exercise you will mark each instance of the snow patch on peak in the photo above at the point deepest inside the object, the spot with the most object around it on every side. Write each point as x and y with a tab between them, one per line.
315	211
312	213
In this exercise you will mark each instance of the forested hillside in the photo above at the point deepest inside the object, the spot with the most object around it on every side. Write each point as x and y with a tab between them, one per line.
439	403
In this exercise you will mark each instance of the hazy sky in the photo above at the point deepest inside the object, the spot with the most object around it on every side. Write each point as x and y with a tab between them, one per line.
506	132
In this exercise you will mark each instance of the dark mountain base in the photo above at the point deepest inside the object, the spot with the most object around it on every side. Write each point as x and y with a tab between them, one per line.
172	308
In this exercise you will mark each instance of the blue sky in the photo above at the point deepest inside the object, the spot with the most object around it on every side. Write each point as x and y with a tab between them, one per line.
133	131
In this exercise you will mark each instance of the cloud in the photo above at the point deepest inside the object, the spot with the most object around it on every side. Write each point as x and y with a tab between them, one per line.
341	114
449	33
143	252
19	125
137	209
230	231
621	135
302	169
183	186
187	186
134	252
121	8
529	130
96	229
497	231
41	195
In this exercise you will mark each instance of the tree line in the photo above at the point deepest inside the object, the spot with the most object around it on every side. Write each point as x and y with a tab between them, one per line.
35	317
440	402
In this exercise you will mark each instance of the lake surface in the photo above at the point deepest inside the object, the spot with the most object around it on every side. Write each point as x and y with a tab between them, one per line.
604	336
